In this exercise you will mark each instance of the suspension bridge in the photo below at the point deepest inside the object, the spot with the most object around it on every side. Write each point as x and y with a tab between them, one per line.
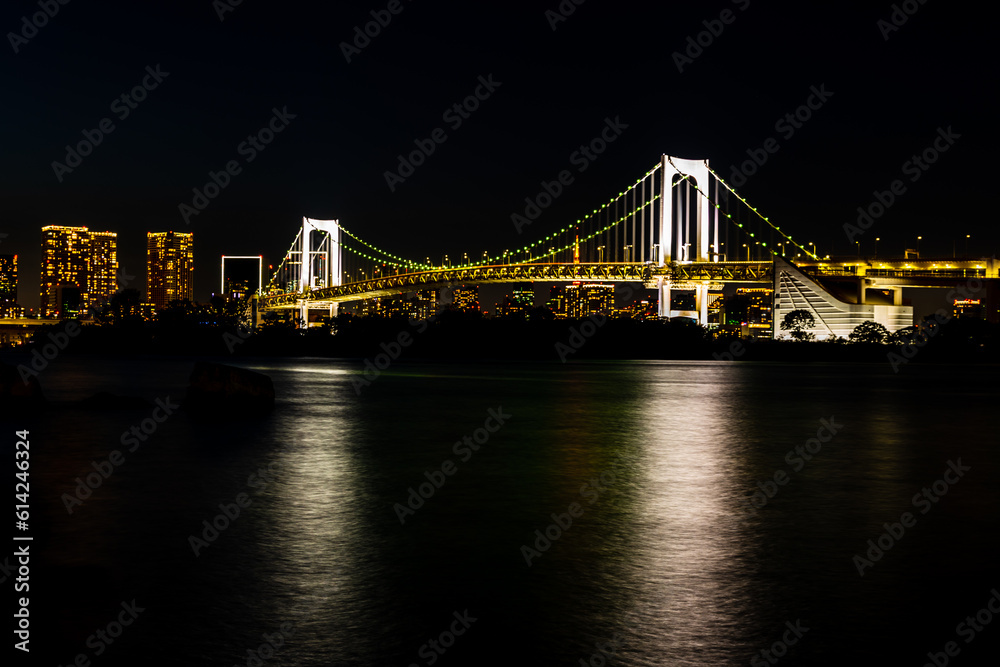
679	227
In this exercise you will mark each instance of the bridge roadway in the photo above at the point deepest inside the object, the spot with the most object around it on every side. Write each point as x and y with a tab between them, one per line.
647	273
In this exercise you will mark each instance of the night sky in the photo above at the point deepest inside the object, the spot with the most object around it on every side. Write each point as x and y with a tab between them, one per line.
553	91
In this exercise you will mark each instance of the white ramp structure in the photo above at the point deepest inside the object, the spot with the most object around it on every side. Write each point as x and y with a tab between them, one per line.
793	290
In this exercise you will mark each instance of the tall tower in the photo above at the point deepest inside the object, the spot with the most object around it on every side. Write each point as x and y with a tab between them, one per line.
78	269
102	267
169	267
64	270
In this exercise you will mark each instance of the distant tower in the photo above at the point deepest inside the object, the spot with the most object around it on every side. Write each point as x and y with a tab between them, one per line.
169	267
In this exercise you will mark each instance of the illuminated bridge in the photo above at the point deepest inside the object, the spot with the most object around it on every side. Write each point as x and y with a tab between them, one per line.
678	227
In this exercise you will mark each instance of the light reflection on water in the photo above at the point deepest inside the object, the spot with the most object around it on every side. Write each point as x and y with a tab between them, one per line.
657	556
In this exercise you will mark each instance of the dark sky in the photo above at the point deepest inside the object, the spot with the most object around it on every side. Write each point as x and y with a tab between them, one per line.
607	59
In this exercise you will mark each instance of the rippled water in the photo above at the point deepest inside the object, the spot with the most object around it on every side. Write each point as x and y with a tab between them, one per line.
663	555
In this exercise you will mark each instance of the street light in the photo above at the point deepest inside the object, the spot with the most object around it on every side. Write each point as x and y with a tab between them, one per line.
877	239
628	253
600	254
858	244
748	251
967	244
814	248
918	246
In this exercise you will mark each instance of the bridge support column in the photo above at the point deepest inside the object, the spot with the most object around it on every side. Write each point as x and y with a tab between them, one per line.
664	290
696	171
701	303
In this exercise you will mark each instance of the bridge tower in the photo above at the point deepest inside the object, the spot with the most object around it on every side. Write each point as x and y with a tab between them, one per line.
675	230
321	267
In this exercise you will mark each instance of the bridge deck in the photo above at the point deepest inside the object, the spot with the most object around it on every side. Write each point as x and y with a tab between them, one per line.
509	273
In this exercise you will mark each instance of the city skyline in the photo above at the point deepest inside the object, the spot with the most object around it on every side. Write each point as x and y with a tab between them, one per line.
730	105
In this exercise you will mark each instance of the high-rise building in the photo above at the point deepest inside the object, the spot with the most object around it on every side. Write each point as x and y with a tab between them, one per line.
557	301
425	303
102	267
524	295
8	287
169	267
8	278
465	298
760	311
79	268
586	299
